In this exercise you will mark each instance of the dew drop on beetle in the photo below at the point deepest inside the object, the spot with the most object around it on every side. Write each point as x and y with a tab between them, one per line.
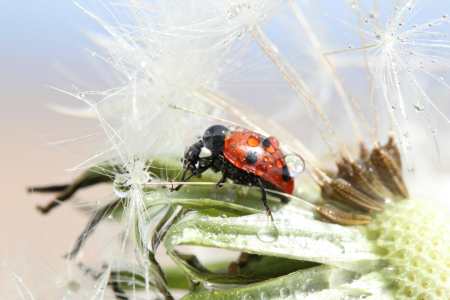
295	164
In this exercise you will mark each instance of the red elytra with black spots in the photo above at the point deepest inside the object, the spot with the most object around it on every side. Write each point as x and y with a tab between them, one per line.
251	152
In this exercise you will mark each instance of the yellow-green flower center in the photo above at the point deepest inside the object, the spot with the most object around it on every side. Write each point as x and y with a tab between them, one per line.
415	240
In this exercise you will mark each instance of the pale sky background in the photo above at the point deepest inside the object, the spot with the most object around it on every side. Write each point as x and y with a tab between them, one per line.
39	47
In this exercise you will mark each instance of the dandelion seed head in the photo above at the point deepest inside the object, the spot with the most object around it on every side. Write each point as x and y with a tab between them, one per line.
414	239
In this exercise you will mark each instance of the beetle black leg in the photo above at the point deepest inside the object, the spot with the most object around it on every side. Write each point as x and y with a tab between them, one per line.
196	172
224	175
264	198
184	174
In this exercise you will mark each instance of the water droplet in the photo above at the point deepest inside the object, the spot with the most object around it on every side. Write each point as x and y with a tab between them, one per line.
261	170
350	46
143	177
270	165
97	203
410	170
435	131
248	297
265	296
445	16
253	141
419	106
265	158
223	216
232	234
441	79
401	23
280	162
122	185
241	35
274	143
268	234
73	286
295	164
147	263
284	292
204	218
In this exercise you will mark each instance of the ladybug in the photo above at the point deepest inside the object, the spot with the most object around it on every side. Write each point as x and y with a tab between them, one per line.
244	156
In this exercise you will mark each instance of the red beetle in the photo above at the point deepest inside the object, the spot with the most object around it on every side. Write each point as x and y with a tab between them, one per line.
241	155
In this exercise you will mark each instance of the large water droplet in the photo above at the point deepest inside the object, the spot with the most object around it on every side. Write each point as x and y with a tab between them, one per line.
253	141
122	186
295	164
419	106
274	142
248	297
143	177
284	292
73	286
268	234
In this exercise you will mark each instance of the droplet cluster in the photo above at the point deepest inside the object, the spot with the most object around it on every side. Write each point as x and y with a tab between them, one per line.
415	240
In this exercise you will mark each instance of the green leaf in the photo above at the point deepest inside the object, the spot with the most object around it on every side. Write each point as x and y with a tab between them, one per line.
298	238
269	266
296	285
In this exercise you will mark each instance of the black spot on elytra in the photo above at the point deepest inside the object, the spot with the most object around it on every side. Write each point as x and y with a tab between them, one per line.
285	174
252	157
266	143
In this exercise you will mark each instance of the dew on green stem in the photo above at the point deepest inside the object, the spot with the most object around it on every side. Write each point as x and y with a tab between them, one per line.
268	234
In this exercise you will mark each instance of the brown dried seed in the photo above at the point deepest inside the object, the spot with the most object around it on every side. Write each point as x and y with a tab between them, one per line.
364	181
393	151
343	192
364	152
388	172
341	217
